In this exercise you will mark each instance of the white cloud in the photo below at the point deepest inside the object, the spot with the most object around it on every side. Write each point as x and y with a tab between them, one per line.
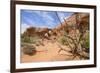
43	14
24	27
61	16
47	16
48	19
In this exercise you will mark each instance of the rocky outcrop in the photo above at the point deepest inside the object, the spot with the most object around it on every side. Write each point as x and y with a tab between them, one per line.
75	20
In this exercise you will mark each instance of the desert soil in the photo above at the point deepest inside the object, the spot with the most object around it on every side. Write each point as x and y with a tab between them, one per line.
48	52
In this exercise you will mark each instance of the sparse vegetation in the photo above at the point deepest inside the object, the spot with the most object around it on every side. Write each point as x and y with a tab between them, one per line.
86	43
78	41
27	39
62	40
87	40
69	40
29	50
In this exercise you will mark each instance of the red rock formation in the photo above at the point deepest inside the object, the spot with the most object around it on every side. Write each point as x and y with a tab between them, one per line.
75	20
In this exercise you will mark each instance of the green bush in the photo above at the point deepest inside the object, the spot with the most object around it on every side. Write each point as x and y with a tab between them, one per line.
87	44
27	39
29	50
34	40
62	40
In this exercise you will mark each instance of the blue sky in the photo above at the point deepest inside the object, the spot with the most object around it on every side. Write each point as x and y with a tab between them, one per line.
42	19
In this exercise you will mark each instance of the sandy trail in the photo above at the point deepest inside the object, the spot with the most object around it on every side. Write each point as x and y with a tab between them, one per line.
49	52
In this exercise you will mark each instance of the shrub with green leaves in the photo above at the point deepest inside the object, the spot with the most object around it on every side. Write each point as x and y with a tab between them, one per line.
62	40
29	50
27	39
87	42
34	40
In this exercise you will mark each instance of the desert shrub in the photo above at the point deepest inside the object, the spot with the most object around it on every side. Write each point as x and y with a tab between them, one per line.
25	39
86	43
29	50
62	40
34	40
